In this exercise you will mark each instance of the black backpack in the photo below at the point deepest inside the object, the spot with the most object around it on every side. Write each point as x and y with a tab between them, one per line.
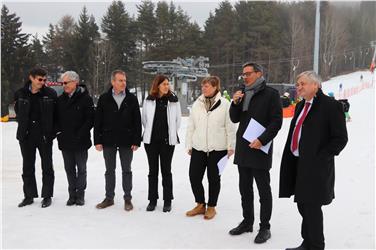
345	104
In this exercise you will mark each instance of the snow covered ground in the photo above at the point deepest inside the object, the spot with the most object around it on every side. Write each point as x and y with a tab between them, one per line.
349	220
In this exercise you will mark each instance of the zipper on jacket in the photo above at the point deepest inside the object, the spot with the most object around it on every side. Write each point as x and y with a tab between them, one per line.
168	123
207	133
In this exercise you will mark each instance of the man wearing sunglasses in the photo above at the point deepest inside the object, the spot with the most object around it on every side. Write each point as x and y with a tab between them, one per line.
261	103
75	111
35	110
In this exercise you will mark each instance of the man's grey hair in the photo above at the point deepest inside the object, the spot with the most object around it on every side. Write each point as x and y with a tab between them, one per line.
73	76
115	72
311	75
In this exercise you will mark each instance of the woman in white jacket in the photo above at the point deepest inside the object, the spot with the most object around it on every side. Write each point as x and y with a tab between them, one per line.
210	136
161	116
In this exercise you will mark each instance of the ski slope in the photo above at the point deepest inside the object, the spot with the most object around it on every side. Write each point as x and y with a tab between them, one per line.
349	222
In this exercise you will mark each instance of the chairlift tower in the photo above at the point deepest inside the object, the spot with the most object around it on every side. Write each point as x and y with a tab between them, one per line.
180	72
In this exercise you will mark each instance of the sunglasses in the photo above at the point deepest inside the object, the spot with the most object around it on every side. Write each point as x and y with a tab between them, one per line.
42	79
65	83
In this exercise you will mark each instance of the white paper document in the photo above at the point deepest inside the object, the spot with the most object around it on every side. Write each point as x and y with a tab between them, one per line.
222	164
253	131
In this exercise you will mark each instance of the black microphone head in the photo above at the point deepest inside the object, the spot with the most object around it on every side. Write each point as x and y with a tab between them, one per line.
241	87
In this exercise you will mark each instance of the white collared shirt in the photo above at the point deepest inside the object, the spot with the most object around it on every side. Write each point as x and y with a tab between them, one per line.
296	152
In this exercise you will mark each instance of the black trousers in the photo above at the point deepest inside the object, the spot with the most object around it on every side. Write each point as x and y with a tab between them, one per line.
312	226
76	176
199	162
160	152
262	178
28	151
126	156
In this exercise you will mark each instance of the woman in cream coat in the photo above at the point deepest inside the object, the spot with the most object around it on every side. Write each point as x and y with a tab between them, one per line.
210	136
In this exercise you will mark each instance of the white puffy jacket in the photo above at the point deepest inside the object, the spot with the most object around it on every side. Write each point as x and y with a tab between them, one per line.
213	130
173	119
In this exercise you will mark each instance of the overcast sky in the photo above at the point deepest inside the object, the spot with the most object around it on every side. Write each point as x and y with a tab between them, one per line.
37	15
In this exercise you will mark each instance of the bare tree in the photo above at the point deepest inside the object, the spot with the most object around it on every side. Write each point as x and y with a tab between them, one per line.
296	31
333	38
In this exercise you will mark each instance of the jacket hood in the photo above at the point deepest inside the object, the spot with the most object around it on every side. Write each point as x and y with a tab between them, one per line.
171	98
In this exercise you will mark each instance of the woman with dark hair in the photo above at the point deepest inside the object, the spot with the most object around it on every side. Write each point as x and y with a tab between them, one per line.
161	117
210	137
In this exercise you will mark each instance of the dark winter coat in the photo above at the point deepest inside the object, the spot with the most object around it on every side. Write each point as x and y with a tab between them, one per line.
47	102
75	120
114	126
310	177
265	108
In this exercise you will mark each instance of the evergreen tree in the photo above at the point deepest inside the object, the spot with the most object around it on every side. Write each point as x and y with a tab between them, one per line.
36	50
59	47
147	32
15	57
65	31
220	39
84	38
162	15
118	27
54	58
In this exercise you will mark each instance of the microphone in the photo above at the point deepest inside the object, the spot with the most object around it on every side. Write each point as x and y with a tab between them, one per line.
242	89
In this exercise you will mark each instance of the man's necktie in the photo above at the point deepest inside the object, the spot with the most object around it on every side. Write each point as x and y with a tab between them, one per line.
295	135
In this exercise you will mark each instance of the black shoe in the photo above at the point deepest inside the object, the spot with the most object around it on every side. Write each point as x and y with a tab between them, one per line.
167	206
80	201
301	247
243	227
26	201
46	202
71	201
262	236
151	206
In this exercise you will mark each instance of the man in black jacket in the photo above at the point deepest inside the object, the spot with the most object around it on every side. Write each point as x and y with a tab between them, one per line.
317	133
35	110
117	127
261	103
75	111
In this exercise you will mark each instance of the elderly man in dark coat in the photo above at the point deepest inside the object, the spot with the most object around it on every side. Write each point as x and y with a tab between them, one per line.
317	133
75	111
261	103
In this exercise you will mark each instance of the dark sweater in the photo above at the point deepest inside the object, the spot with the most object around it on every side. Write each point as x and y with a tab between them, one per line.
35	112
160	125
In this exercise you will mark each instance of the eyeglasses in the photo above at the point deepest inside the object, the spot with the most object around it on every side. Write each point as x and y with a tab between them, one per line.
247	74
65	83
42	79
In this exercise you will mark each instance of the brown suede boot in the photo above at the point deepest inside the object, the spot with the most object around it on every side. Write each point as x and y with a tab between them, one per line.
199	209
105	203
128	206
210	213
